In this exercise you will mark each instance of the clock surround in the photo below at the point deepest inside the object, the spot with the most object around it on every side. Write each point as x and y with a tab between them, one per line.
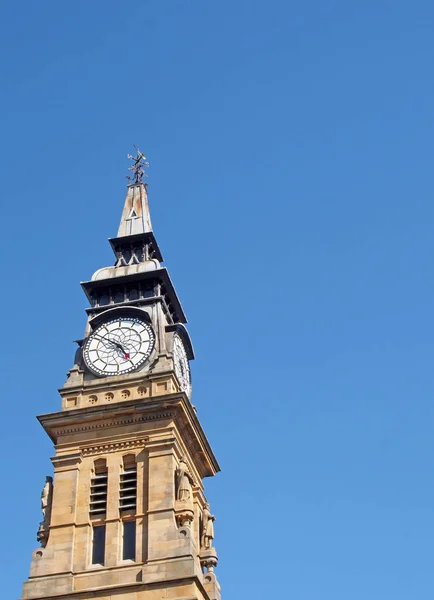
118	346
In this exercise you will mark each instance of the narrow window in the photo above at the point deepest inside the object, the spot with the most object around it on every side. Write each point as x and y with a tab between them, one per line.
128	484
98	489
129	540
98	545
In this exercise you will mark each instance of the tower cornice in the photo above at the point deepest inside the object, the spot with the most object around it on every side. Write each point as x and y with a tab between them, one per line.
159	276
65	425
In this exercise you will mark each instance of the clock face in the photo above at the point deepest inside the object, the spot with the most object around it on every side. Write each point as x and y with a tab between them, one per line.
118	346
181	365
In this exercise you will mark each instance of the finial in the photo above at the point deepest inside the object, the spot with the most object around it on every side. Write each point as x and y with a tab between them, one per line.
138	167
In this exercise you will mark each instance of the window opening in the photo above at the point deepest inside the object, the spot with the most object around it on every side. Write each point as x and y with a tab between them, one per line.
129	540
98	545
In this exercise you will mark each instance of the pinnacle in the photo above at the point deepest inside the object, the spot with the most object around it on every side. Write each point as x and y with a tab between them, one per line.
135	215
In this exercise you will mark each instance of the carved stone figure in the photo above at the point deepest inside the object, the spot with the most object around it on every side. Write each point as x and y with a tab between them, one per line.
207	528
184	481
46	500
46	496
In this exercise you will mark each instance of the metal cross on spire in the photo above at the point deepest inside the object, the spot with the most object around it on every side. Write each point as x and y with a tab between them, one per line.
138	167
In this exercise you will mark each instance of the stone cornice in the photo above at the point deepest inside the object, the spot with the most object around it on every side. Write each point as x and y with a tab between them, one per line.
117	423
114	447
64	462
117	590
175	407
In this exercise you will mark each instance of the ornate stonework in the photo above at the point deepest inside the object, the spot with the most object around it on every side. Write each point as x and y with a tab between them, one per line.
125	514
114	447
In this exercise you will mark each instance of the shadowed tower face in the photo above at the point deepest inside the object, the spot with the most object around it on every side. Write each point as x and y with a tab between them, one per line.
124	514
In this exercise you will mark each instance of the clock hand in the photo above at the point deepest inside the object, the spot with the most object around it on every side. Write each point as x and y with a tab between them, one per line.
117	344
103	339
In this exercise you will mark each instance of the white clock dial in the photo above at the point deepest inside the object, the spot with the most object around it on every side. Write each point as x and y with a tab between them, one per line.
118	346
181	365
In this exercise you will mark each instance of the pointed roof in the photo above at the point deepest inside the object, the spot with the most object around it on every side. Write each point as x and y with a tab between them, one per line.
138	259
135	216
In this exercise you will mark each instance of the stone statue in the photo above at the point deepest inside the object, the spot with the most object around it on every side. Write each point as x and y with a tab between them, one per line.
207	528
46	500
184	481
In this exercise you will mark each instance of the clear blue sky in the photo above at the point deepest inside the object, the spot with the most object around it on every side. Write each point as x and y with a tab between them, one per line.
291	190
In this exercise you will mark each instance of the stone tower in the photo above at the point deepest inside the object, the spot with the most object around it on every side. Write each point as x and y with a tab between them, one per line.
125	515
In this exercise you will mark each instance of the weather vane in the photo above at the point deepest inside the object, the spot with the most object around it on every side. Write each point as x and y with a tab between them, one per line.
138	167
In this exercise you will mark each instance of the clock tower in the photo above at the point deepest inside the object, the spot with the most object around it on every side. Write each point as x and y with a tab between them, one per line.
124	515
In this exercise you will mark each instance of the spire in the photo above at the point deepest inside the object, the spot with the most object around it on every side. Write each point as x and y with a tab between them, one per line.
135	216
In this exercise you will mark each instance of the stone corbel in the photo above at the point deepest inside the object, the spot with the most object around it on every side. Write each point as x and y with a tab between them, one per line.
184	514
209	559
